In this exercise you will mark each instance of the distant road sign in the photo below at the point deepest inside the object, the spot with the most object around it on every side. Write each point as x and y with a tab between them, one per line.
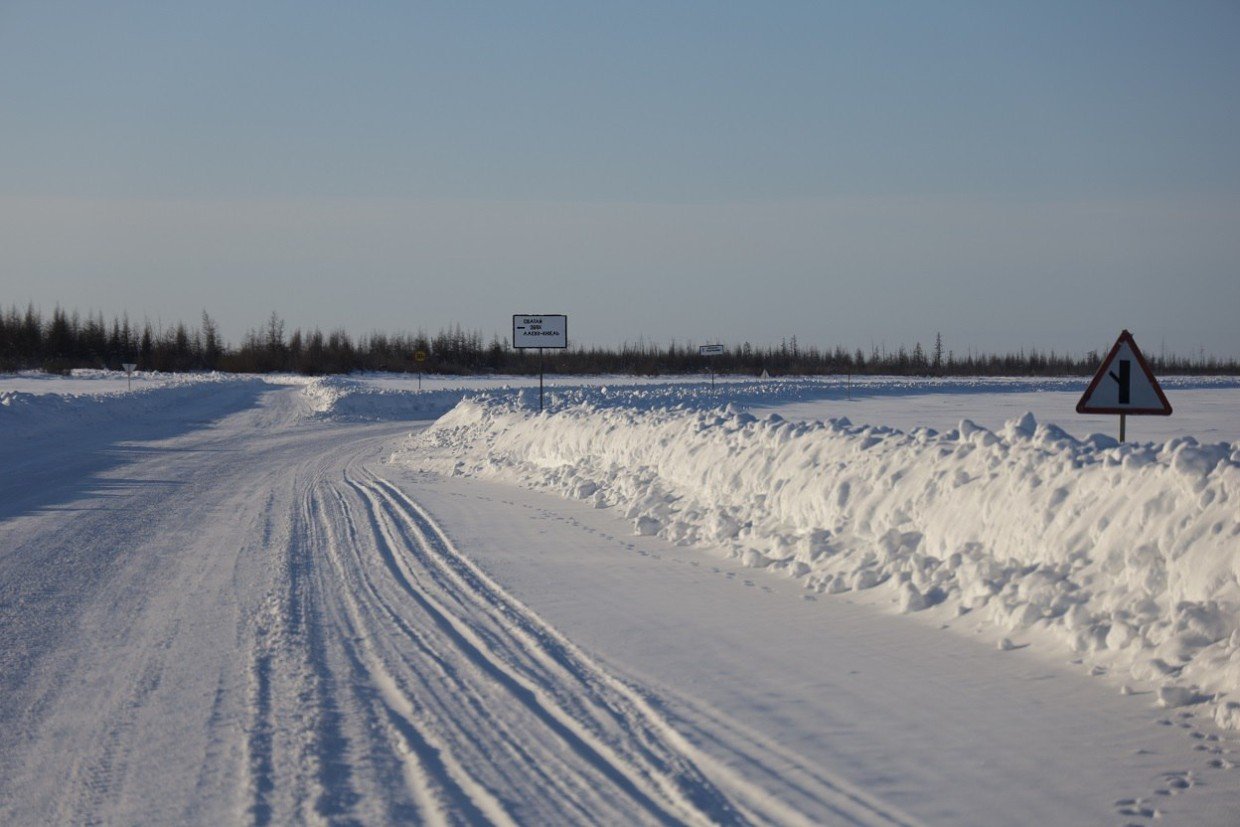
128	366
1124	384
529	330
419	356
710	350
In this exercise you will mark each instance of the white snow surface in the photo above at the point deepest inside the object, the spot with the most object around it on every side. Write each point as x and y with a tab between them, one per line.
37	404
1126	554
220	605
346	399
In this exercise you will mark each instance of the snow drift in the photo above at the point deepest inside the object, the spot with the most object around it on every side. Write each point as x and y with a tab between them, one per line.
1129	553
343	399
26	415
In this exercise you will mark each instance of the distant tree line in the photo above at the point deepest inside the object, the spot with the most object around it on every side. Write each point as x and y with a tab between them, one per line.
68	340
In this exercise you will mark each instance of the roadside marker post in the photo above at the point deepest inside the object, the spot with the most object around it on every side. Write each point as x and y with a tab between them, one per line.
129	368
711	350
531	330
419	357
1124	385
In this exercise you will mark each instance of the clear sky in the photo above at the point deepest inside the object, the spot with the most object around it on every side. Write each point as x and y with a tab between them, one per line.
1012	174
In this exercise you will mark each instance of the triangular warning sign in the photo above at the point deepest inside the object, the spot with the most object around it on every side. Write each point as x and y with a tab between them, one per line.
1124	384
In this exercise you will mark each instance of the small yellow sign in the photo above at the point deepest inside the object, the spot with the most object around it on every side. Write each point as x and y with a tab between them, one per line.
420	356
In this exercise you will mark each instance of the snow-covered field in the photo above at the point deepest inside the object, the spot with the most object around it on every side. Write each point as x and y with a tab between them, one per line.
284	600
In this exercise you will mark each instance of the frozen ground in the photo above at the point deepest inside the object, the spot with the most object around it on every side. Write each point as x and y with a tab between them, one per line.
222	603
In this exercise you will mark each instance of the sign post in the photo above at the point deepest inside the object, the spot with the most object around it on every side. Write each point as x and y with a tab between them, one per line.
530	330
1124	385
419	357
711	350
129	368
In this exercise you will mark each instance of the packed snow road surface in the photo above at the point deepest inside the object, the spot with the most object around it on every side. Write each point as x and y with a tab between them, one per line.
219	608
241	623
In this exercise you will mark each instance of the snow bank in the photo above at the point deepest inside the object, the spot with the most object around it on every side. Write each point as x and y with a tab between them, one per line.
344	399
24	414
1129	553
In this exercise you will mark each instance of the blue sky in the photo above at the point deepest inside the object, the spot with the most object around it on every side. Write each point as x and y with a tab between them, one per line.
1011	174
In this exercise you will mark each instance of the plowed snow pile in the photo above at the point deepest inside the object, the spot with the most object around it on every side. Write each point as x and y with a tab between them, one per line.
342	399
24	414
1129	553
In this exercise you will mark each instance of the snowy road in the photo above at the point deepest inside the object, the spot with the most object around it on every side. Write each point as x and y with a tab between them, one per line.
246	617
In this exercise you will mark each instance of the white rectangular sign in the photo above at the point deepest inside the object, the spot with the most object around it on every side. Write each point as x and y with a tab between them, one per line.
710	350
530	330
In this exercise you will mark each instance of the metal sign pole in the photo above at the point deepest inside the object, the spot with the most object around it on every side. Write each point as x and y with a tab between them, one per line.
1122	424
540	380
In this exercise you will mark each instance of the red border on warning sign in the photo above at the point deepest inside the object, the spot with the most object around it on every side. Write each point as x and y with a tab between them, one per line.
1165	410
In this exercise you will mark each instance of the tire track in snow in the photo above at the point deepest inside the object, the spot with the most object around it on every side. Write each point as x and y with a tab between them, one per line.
479	662
441	788
428	673
296	748
259	745
363	753
627	774
336	794
686	765
99	776
660	755
760	756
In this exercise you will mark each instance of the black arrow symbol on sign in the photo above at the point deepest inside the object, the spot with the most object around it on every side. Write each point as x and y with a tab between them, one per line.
1124	380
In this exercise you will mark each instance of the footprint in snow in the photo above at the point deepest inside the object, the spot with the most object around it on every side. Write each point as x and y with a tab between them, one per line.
1136	807
1177	782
